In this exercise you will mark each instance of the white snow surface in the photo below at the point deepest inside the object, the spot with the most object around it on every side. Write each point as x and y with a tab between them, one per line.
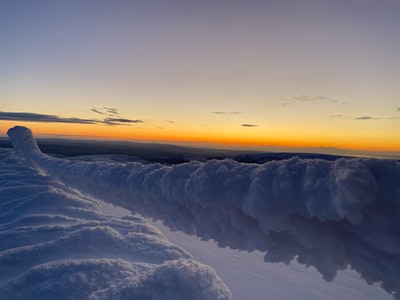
249	278
58	244
327	214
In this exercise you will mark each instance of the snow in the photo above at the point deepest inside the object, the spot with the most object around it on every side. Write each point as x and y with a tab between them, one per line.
248	277
328	215
59	244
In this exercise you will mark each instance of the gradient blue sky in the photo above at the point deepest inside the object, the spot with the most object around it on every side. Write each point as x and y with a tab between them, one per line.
289	73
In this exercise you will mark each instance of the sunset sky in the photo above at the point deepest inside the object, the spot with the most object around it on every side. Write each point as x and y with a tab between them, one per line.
289	73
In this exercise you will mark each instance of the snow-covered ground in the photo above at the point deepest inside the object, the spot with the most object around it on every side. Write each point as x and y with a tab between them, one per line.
333	216
249	277
58	244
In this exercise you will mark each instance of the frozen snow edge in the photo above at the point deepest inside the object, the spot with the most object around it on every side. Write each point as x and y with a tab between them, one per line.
330	214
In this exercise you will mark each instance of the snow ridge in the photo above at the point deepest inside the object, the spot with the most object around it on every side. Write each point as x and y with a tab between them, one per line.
58	244
329	214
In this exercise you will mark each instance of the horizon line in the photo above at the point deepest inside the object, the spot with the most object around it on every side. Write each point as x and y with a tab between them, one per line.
230	146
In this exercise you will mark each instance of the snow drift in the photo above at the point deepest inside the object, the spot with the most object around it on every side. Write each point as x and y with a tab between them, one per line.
329	214
58	244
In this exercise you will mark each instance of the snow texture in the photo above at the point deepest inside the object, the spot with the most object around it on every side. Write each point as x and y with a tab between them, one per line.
58	244
328	214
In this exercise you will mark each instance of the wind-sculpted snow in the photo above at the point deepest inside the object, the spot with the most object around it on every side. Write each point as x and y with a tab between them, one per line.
58	244
328	214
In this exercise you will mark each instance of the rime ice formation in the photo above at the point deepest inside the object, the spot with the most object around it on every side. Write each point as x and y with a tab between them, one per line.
58	244
329	214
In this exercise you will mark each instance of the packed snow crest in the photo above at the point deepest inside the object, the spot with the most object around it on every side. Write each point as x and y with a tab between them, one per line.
328	214
58	244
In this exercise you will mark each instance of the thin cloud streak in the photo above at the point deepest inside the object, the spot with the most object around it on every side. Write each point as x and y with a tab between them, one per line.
337	116
291	101
34	117
95	110
366	118
120	121
361	118
227	112
108	111
43	118
249	125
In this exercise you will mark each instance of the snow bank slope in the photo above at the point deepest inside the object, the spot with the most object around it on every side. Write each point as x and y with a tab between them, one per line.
57	244
329	214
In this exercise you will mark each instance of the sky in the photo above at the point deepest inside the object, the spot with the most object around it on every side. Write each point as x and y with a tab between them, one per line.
287	73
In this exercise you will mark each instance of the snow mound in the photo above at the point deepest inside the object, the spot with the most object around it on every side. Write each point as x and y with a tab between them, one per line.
329	214
116	279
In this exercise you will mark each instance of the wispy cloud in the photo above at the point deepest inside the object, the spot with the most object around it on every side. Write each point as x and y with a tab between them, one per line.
227	112
44	118
361	118
249	125
120	121
106	111
366	118
113	116
95	110
290	101
34	117
337	116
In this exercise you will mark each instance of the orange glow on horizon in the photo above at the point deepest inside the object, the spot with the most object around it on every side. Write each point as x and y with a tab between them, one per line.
243	138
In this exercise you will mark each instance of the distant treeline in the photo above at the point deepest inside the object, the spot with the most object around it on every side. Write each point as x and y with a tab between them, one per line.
161	153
